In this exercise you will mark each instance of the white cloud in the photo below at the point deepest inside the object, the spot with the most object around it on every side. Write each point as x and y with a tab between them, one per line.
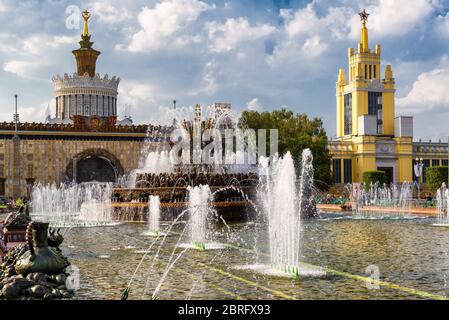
8	38
394	18
442	25
164	24
314	47
303	22
208	84
2	7
24	68
36	113
136	94
25	60
306	23
307	35
37	44
227	36
109	13
428	92
254	105
310	33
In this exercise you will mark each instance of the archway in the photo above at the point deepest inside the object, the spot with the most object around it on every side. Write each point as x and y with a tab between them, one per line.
95	169
94	165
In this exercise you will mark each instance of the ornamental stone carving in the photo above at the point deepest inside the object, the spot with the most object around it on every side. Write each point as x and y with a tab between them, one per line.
85	81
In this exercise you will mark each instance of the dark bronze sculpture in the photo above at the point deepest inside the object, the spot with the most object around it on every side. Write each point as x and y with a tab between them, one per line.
37	268
40	256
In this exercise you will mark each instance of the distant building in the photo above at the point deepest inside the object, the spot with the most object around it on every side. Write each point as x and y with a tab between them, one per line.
369	136
83	142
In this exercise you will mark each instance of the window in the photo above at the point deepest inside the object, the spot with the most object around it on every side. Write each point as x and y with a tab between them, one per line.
2	170
30	171
347	170
370	67
375	108
348	113
375	69
444	162
435	162
336	170
2	187
366	71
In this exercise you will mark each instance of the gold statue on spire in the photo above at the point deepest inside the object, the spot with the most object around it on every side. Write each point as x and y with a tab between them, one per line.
86	16
86	56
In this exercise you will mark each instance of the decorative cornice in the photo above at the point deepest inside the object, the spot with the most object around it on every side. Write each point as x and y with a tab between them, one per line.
85	81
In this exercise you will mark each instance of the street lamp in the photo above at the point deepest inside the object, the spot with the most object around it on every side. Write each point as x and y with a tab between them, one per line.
418	168
16	118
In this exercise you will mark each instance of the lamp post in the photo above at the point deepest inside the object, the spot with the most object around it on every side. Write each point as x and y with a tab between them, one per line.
418	172
16	118
16	152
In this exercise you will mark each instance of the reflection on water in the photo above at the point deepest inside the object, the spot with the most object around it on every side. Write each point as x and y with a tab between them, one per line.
409	253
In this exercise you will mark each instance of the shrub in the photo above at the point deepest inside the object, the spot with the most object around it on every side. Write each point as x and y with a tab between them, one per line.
371	177
435	176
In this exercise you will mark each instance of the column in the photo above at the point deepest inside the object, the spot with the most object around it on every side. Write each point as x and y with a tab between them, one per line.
57	108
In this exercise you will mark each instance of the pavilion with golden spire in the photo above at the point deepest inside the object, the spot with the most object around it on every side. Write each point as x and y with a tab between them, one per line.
368	136
86	94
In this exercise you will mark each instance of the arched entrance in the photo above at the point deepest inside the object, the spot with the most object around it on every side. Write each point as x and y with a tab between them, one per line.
94	165
95	169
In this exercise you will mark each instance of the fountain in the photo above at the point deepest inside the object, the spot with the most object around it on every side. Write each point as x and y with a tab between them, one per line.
283	211
72	205
199	209
154	216
168	174
284	206
394	201
156	162
442	198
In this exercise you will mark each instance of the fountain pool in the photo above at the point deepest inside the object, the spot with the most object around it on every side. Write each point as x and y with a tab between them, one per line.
409	254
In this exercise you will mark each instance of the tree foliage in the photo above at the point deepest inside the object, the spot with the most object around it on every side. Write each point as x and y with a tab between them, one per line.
435	176
371	177
295	133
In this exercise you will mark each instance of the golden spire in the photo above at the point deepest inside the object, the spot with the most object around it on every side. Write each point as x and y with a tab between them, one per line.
86	16
364	32
86	56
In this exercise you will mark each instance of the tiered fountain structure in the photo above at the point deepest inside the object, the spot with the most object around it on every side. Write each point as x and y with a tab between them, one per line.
232	184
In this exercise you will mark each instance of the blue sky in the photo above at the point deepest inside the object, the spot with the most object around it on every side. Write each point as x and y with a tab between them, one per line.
257	55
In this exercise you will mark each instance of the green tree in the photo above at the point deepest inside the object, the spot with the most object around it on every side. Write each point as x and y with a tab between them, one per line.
296	132
371	177
435	176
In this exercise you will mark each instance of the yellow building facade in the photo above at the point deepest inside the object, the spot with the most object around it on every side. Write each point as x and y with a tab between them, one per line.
368	135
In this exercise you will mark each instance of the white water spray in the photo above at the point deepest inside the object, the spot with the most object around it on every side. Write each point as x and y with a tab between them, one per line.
72	205
199	208
154	215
